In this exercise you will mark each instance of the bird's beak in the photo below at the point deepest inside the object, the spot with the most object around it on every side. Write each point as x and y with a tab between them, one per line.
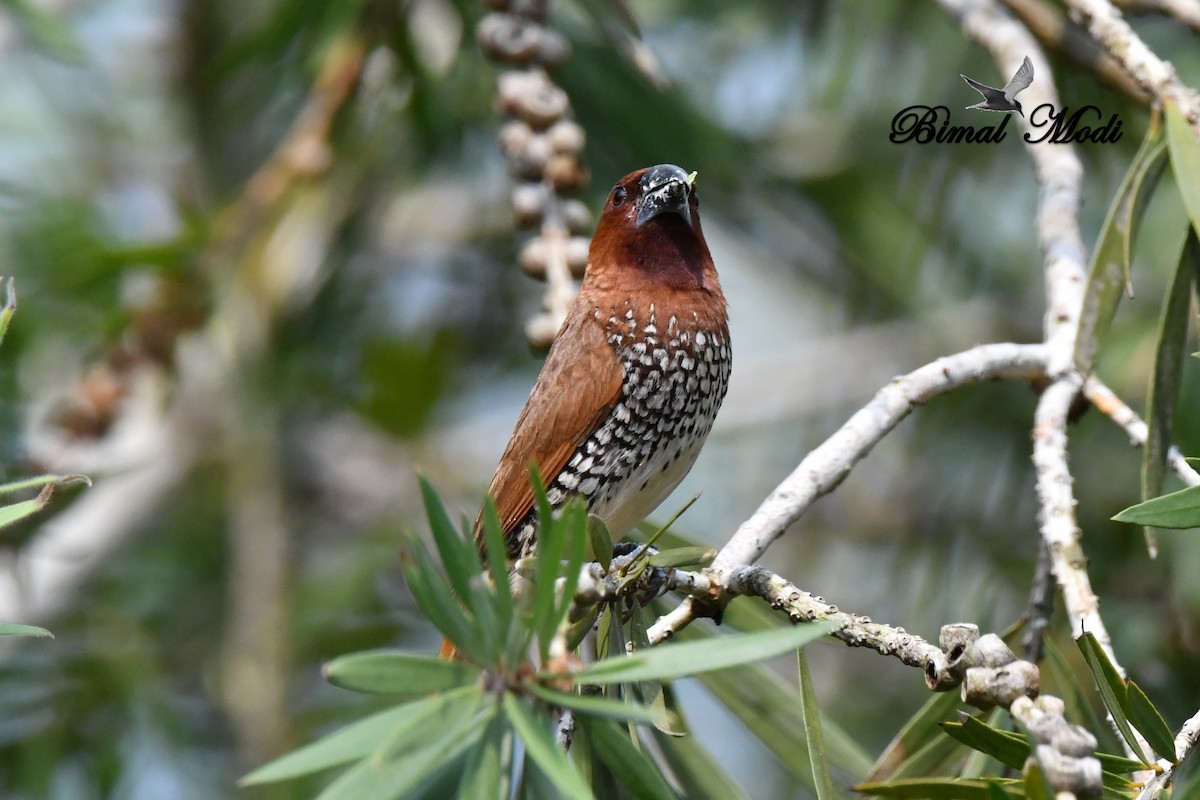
665	188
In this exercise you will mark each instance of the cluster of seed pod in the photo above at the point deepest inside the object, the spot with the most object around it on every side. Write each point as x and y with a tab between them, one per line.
542	146
1066	753
993	676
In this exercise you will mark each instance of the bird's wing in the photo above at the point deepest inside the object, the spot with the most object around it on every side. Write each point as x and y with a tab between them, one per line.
576	391
983	89
1020	81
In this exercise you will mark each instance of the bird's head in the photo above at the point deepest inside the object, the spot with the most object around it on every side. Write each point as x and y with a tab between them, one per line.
651	221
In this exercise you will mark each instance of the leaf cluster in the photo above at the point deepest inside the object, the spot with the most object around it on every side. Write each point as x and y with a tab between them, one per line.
458	722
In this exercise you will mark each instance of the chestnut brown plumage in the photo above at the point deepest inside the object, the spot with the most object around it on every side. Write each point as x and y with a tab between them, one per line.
635	376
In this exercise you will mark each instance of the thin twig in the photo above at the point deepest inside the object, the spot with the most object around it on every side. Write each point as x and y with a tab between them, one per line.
1113	407
1041	606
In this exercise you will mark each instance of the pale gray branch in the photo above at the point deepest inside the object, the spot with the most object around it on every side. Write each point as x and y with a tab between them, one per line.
1059	175
1156	76
1188	735
829	464
1107	403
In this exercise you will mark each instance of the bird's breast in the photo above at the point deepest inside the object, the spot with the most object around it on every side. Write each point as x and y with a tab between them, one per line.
676	372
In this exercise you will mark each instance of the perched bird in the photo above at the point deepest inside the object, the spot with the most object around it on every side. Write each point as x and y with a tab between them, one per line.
634	378
1004	99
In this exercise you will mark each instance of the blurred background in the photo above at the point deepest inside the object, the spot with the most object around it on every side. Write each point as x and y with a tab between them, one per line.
265	261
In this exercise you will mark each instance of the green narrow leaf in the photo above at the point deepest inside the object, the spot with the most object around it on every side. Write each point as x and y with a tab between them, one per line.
1119	783
604	633
638	774
1118	764
543	750
435	747
822	780
975	765
497	564
548	565
1112	688
935	788
16	512
649	693
595	771
1108	273
1066	673
618	645
596	706
1188	784
1147	719
438	722
978	764
16	629
1185	160
996	792
10	307
671	661
683	557
698	774
1168	366
918	733
396	672
1008	748
1036	787
600	542
1175	510
435	598
42	480
489	765
667	703
355	741
578	630
659	533
764	703
934	756
573	529
458	554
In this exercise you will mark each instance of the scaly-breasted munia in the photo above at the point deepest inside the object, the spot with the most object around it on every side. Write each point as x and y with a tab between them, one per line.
635	376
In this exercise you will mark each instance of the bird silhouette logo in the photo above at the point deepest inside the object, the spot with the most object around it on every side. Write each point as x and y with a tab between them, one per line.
1004	100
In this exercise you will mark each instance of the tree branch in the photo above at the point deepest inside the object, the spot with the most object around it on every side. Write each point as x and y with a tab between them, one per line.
1184	742
1059	35
1059	174
828	465
1113	407
1156	76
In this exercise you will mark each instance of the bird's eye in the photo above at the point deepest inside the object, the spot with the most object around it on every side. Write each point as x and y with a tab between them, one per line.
618	196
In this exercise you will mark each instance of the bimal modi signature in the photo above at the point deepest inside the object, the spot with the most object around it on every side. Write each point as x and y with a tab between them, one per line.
932	124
